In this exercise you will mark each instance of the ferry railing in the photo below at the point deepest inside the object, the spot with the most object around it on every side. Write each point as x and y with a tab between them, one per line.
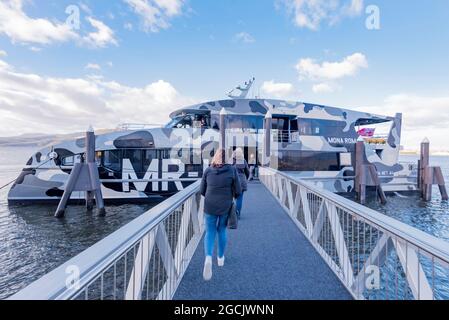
137	126
285	136
374	256
146	259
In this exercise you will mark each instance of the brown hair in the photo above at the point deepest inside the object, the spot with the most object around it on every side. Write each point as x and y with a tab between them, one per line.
218	159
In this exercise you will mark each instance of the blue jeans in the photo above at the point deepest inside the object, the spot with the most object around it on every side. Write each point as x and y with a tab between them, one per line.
239	205
214	225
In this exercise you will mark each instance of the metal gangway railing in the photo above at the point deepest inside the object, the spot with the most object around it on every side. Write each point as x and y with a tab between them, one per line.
146	259
375	256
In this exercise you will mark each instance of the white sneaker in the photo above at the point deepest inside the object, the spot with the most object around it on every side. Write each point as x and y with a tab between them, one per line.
207	271
221	261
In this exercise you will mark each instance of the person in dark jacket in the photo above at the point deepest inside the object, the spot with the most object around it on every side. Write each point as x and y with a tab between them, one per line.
220	185
240	164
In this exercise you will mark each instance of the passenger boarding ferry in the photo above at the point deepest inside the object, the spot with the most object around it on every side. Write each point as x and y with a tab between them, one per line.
137	163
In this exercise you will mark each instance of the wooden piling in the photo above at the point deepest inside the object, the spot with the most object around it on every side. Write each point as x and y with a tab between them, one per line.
429	176
366	175
441	183
423	163
359	160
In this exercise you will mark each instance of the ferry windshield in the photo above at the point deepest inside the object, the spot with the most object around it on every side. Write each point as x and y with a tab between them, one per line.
174	122
190	121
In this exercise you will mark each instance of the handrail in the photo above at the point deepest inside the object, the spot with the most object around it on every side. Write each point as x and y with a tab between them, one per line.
432	244
360	236
101	257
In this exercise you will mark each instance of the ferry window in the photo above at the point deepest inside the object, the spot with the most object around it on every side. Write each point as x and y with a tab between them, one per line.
252	122
280	124
174	122
68	161
186	122
149	156
244	122
319	127
234	122
112	159
135	157
294	125
165	154
305	127
201	121
185	155
309	161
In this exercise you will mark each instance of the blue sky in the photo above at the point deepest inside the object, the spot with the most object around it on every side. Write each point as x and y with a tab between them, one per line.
314	51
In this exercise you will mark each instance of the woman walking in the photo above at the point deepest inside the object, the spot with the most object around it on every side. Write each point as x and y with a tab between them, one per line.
240	164
220	185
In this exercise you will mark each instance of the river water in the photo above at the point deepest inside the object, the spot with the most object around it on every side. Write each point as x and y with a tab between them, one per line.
33	242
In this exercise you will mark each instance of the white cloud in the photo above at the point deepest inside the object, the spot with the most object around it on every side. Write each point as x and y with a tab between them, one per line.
92	66
3	53
353	8
86	8
311	13
34	103
35	49
20	28
323	88
277	90
128	26
244	37
156	13
309	69
102	37
422	117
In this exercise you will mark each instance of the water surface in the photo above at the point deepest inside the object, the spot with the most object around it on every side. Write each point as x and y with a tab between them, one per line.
33	242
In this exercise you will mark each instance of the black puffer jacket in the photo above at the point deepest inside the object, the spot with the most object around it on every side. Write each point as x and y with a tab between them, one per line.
220	186
243	171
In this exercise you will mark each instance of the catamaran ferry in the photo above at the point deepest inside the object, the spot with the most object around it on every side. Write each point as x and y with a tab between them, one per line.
138	163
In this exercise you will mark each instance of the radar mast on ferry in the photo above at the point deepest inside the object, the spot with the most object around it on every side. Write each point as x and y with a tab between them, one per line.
244	90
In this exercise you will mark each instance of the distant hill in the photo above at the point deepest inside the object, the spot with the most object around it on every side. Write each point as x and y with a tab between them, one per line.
42	140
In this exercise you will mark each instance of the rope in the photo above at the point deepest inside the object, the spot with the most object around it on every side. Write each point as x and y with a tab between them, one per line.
11	182
1	188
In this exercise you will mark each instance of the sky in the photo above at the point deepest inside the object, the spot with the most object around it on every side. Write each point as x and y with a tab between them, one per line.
67	64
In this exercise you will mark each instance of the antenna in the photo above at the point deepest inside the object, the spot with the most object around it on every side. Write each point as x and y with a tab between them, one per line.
244	90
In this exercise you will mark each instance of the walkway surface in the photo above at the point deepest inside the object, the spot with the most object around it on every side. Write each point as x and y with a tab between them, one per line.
268	258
